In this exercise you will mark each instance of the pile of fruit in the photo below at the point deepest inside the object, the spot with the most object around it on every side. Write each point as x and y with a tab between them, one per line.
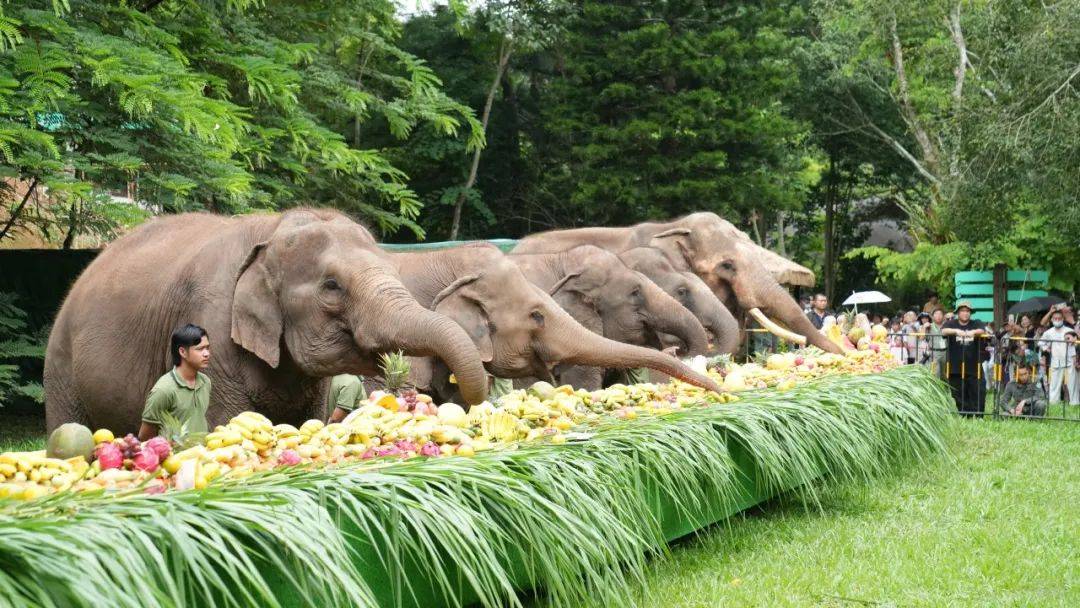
390	425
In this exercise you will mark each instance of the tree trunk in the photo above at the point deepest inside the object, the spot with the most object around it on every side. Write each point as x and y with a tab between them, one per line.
18	210
781	246
504	58
73	222
828	268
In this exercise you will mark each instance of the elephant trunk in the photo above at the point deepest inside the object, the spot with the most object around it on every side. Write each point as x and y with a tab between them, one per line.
421	332
575	345
667	315
778	304
723	326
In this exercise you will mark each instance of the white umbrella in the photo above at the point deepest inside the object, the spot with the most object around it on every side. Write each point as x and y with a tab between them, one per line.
866	297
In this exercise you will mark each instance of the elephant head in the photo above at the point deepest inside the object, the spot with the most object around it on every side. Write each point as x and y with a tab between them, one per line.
518	329
730	263
318	288
690	291
631	308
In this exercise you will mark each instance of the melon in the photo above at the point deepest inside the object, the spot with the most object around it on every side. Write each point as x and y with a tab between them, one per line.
70	440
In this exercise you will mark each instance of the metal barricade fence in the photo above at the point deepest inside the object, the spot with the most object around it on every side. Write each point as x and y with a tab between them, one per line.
980	370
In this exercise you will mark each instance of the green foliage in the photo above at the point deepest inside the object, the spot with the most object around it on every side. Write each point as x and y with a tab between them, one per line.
225	106
18	348
582	517
656	110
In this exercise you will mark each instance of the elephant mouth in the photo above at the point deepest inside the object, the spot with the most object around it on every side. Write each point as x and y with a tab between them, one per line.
775	329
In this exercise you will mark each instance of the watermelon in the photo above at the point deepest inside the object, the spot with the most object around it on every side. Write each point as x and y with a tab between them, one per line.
70	440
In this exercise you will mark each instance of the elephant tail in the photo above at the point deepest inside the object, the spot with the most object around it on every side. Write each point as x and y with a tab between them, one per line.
62	404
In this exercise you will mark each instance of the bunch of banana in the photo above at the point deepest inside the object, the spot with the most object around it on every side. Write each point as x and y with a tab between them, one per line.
254	427
501	426
286	436
309	428
37	468
222	437
361	431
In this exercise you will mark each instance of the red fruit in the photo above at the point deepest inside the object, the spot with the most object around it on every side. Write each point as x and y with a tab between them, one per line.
799	360
160	446
146	460
109	455
288	458
430	449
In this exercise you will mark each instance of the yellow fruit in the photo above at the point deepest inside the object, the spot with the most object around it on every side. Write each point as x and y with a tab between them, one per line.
453	414
311	427
33	492
171	465
464	450
103	436
558	439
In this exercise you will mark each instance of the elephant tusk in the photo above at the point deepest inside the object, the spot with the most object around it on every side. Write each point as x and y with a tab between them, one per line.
775	329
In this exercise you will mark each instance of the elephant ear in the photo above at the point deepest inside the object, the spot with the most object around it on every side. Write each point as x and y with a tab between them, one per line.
561	283
461	304
256	316
673	242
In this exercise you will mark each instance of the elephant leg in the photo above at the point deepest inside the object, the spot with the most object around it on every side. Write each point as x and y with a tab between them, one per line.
61	403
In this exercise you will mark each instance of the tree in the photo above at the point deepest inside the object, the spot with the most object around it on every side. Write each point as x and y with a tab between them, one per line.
227	105
659	109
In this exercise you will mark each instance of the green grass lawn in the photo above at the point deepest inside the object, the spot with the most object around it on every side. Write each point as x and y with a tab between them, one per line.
996	523
21	431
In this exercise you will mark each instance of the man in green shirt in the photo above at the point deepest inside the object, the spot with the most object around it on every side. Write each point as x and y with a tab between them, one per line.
346	392
1024	397
183	393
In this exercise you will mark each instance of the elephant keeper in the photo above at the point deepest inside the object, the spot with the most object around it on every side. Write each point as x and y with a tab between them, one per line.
346	393
183	393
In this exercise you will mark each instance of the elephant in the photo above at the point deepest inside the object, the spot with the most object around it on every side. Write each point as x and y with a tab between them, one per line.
286	299
690	291
519	330
740	272
602	293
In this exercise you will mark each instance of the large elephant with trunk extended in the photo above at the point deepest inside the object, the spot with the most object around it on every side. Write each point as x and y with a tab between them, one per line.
690	291
519	330
603	294
740	272
285	298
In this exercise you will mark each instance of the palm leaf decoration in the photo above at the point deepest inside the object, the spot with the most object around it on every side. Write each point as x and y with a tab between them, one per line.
578	520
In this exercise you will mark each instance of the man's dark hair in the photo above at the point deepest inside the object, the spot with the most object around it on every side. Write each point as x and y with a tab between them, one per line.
185	337
819	295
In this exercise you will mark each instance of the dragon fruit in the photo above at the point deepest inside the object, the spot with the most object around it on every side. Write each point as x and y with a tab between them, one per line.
388	450
160	446
430	449
407	446
288	458
109	456
146	460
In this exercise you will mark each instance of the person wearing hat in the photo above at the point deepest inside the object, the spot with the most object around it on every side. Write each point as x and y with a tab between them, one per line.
965	338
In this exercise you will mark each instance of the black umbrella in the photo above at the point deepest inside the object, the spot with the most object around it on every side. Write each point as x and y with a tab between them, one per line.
1035	305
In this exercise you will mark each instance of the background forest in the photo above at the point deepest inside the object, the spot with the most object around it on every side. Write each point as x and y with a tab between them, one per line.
809	124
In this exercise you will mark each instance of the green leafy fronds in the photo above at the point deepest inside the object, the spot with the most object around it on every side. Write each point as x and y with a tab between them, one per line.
578	520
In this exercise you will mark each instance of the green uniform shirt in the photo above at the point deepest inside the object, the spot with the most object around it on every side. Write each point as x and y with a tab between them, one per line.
346	392
171	395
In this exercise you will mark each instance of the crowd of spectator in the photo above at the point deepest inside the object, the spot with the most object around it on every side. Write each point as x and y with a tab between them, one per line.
1035	357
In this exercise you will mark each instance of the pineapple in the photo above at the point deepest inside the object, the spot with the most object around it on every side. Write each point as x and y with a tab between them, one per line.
395	370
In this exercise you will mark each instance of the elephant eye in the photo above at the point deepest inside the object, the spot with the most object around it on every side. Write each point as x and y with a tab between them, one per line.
683	291
491	327
727	265
331	284
537	317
